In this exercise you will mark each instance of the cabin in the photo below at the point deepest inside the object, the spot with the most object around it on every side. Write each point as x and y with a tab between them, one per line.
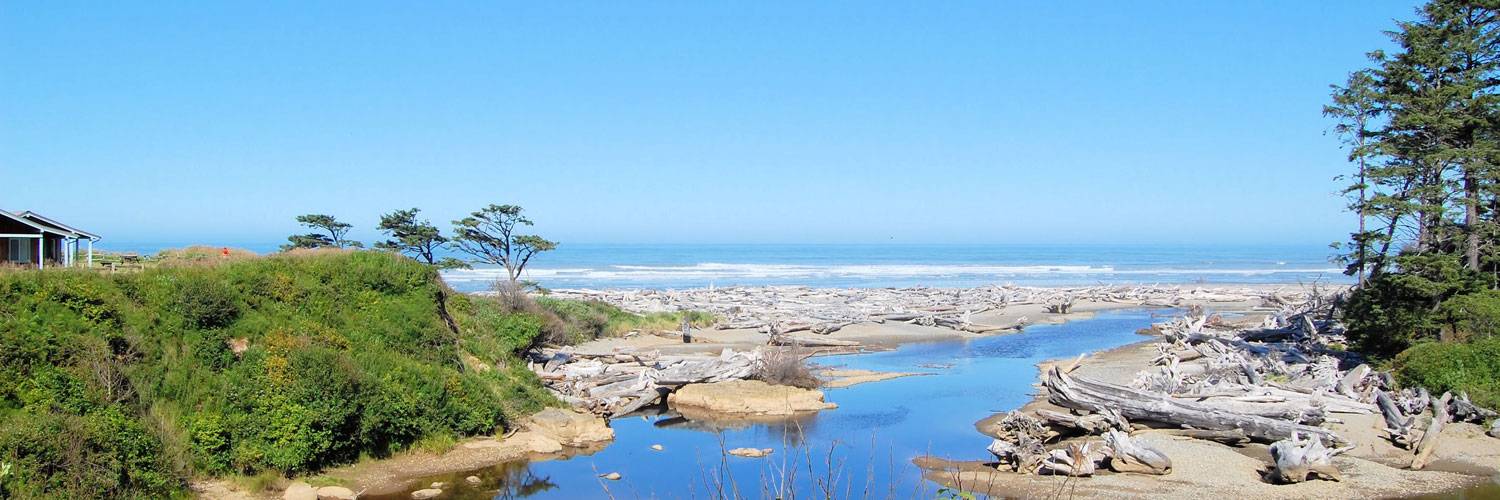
28	239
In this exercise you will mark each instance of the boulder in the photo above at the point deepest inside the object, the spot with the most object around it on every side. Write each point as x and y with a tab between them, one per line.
749	397
571	428
300	491
335	493
613	476
473	480
426	494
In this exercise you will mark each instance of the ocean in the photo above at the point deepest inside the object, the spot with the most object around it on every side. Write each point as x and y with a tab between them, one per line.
876	265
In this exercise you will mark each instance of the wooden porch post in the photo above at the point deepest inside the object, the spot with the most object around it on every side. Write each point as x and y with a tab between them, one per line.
41	255
91	252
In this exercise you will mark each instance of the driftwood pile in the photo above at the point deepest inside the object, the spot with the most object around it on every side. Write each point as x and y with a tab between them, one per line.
787	309
1276	382
619	383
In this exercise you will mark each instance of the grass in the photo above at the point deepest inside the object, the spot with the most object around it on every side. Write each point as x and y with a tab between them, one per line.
589	320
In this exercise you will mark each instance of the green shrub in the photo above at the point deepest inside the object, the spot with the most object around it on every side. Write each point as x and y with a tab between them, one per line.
285	364
205	303
1450	366
1471	316
1398	309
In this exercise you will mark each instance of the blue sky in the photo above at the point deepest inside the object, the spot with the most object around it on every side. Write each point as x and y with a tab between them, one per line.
704	122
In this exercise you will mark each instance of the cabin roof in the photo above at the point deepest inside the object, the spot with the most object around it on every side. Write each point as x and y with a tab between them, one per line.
40	219
45	225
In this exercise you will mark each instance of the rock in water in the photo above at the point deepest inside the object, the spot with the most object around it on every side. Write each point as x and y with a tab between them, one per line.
300	491
613	476
656	447
749	397
425	494
571	428
335	493
473	480
750	452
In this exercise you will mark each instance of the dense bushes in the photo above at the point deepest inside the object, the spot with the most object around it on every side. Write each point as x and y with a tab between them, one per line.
125	385
1430	297
1473	367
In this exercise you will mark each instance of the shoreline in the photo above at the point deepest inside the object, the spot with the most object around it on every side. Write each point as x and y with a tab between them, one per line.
1374	468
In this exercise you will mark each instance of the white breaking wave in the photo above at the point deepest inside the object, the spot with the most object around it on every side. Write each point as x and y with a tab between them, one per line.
731	272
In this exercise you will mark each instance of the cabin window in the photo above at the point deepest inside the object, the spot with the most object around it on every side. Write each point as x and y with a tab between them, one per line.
20	250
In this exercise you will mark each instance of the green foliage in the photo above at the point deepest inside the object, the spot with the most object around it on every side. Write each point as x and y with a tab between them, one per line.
288	363
1471	316
1395	310
1472	367
588	320
489	236
206	303
416	238
335	237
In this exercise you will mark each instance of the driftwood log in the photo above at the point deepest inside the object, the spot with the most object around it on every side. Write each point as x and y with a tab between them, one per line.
1075	459
1465	411
1296	460
1429	441
1233	437
1398	426
1128	454
1087	395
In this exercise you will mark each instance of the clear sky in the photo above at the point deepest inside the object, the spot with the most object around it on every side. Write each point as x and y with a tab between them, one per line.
701	122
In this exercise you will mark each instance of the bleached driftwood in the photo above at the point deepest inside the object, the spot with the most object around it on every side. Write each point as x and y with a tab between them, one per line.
1018	443
1429	441
1398	426
1075	459
786	309
1233	437
1295	460
1464	410
1128	454
1087	395
617	383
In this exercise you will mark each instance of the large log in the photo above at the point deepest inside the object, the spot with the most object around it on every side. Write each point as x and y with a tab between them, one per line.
1084	394
1232	437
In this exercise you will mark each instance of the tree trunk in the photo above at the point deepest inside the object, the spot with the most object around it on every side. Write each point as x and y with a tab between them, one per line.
442	307
1471	222
1362	242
